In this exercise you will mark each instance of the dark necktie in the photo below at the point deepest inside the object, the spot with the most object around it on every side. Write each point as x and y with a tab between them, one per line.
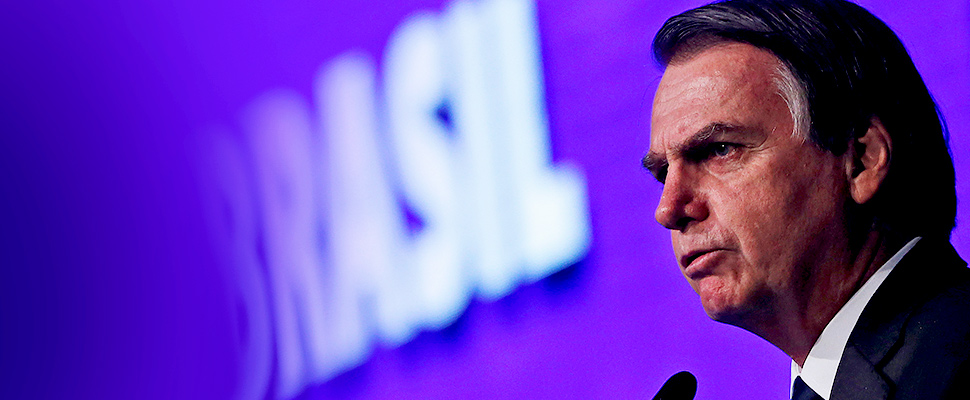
801	391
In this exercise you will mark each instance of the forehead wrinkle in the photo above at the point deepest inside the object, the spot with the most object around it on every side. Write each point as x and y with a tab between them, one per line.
688	92
695	88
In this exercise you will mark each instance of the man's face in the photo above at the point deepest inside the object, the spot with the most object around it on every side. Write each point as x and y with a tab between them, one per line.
755	210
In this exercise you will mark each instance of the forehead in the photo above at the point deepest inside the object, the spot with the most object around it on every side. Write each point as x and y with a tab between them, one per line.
728	83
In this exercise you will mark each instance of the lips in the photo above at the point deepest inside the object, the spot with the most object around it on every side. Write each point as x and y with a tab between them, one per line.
698	263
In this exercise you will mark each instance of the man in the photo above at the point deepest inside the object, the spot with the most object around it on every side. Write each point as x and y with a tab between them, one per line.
810	194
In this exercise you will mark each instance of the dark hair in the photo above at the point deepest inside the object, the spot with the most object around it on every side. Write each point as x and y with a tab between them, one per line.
852	68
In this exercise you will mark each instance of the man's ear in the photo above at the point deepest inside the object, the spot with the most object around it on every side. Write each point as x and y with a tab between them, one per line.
869	163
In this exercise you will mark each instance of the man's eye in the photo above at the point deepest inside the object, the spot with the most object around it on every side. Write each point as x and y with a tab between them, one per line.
721	149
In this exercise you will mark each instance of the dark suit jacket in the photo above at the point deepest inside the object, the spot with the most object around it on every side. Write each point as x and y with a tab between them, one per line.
912	340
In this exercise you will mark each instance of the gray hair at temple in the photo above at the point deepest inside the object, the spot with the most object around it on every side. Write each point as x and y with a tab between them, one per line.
851	68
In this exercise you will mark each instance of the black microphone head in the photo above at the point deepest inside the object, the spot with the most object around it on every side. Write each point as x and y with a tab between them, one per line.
681	386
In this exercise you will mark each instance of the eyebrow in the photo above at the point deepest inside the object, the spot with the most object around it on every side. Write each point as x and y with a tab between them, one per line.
657	163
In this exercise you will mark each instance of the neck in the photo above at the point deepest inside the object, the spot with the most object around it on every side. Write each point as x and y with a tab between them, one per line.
796	326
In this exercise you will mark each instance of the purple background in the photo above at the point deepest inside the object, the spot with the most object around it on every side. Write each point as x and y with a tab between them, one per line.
109	288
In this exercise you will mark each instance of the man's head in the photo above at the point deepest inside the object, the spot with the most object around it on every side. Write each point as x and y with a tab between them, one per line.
784	132
851	68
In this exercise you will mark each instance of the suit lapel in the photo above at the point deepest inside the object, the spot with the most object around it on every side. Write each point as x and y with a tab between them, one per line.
874	338
863	382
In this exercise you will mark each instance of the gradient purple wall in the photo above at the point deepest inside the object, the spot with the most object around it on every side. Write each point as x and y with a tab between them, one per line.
110	286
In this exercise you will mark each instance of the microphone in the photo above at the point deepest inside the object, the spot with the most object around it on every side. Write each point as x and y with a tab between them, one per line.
681	386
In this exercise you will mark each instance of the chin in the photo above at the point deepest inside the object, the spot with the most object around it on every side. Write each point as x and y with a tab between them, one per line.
744	313
720	313
726	309
730	317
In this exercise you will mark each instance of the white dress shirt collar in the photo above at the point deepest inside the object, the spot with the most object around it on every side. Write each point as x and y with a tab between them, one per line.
823	360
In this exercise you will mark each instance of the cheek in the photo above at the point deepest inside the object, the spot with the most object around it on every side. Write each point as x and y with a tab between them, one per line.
779	214
778	196
764	217
750	209
813	198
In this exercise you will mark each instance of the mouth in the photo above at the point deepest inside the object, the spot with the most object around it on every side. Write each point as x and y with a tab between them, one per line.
699	263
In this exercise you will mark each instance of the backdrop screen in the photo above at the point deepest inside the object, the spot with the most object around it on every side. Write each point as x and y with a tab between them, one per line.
405	199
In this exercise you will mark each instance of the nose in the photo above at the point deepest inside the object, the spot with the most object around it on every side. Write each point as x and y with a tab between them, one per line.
681	204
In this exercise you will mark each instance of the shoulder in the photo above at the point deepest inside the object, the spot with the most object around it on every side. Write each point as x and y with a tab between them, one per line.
931	360
913	338
931	294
